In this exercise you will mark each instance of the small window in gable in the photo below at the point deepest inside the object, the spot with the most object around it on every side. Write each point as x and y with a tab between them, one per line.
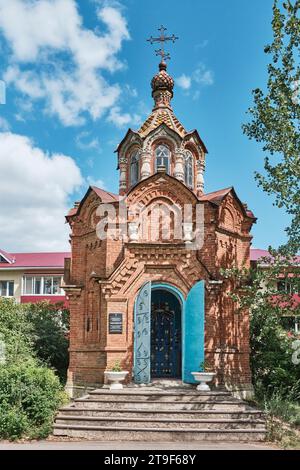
134	169
162	154
2	260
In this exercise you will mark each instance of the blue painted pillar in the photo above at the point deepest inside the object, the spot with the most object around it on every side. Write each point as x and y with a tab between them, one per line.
193	332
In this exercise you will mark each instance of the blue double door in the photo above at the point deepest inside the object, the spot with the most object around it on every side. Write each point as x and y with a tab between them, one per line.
165	341
169	333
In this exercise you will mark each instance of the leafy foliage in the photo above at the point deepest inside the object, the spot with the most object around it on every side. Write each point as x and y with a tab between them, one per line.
30	392
271	345
50	330
276	116
117	367
29	397
15	332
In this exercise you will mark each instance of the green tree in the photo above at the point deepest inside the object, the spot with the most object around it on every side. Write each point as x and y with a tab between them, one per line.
30	392
15	332
50	335
275	116
271	344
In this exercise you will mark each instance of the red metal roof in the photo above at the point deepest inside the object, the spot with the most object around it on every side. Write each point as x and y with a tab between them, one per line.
32	260
256	254
72	211
105	197
216	196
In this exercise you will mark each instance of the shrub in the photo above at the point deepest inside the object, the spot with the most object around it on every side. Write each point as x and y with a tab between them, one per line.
15	332
271	356
13	422
30	394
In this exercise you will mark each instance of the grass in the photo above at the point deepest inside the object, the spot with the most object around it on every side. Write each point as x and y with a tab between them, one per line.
283	419
282	434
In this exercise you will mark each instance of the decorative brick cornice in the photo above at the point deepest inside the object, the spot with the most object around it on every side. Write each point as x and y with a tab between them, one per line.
73	291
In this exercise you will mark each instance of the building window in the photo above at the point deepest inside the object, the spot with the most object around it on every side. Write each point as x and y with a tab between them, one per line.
189	170
28	286
6	288
291	324
42	285
287	286
163	157
134	169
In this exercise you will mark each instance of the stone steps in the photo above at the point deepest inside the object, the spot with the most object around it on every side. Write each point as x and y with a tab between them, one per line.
145	423
160	415
160	435
144	414
161	406
141	396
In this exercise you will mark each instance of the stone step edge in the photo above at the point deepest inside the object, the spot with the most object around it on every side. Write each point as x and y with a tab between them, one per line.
154	402
158	420
134	410
172	430
154	392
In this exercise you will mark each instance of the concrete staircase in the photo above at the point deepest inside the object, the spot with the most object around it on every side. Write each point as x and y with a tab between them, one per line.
160	415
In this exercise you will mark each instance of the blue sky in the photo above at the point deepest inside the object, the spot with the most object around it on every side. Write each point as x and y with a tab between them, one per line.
78	74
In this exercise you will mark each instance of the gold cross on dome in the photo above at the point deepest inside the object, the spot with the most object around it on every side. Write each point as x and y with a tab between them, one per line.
162	39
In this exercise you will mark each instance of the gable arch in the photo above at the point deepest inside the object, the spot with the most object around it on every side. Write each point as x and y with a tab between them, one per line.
162	132
161	220
161	185
191	147
130	140
227	219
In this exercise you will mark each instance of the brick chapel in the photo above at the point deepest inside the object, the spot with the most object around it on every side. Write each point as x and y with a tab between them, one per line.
144	281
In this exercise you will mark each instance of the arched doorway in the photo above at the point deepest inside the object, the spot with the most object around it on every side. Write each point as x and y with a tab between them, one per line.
166	335
182	330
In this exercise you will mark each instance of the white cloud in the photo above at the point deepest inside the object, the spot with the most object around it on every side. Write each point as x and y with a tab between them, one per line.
184	82
84	141
4	124
57	60
120	119
96	182
203	76
35	188
132	92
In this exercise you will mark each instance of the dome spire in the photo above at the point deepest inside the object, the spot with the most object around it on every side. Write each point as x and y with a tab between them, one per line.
162	84
162	87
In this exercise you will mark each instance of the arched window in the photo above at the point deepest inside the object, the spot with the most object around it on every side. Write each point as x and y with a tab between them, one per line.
189	170
163	157
134	169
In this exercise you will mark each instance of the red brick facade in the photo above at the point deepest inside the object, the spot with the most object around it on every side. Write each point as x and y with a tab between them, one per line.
106	275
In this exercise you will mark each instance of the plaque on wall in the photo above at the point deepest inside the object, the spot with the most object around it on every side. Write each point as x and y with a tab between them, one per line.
115	323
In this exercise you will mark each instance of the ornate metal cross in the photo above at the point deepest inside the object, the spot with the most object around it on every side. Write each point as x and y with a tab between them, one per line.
162	39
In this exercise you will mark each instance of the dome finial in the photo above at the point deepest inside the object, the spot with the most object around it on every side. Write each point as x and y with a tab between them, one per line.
162	87
162	65
162	39
162	84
